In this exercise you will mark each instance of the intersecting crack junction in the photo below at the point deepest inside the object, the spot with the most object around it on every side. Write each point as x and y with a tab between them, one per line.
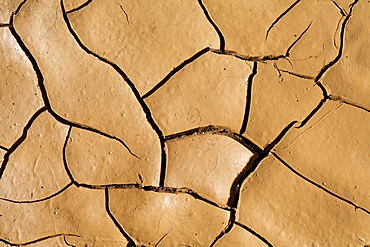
184	123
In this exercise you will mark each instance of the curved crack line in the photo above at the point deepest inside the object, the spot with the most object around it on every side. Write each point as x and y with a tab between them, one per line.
219	33
20	139
134	90
319	186
213	129
228	228
297	74
79	7
37	240
252	165
175	70
296	41
280	17
243	128
248	57
130	240
341	10
45	97
39	200
341	44
254	233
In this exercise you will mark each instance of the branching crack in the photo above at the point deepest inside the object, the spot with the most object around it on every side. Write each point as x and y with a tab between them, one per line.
4	148
4	24
175	70
220	35
142	103
319	186
79	7
341	45
44	94
20	140
228	228
248	99
342	11
252	166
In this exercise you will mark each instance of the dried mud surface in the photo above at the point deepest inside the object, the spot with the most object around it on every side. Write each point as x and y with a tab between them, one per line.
184	123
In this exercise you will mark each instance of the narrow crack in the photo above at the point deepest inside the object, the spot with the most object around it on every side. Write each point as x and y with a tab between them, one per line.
37	240
280	17
142	103
66	242
341	45
213	129
20	140
312	113
124	12
38	200
65	158
287	54
348	102
319	186
252	166
248	99
254	233
4	148
220	35
44	94
130	240
79	7
175	70
297	74
17	10
228	228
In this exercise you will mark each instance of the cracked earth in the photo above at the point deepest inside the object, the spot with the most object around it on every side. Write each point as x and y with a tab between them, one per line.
184	123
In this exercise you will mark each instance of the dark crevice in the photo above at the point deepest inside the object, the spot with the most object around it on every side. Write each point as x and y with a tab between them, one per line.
142	103
131	242
341	10
4	24
104	186
280	17
254	233
37	240
312	113
341	45
79	7
44	94
347	102
218	130
4	148
287	54
252	166
20	140
18	9
220	35
39	200
228	228
318	185
175	70
248	99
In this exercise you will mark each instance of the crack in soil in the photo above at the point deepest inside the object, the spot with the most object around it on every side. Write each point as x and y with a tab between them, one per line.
79	7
